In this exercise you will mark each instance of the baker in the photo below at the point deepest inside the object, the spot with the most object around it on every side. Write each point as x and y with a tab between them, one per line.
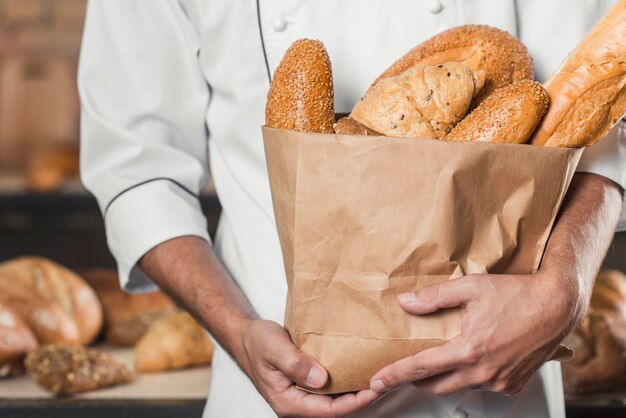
168	85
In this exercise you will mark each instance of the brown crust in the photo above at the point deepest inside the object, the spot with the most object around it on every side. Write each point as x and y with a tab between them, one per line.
48	171
349	126
301	96
60	286
502	56
173	342
588	92
64	370
509	115
16	340
126	316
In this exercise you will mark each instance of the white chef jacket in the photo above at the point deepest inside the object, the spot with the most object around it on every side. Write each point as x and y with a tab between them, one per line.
163	81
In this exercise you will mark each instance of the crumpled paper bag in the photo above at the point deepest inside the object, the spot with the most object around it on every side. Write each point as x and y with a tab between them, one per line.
363	218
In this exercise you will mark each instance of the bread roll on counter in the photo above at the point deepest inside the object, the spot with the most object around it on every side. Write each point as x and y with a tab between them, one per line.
422	102
16	341
301	95
588	92
502	57
54	283
509	115
65	370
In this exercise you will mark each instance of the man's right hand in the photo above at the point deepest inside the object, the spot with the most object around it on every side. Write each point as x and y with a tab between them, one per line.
276	366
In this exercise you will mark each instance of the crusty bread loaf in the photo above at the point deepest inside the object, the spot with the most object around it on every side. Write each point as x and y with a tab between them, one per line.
502	57
301	95
65	370
49	170
126	316
16	340
509	115
588	92
422	102
600	341
173	342
59	285
48	321
348	126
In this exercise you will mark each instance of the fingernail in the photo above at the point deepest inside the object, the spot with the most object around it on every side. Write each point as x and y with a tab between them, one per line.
378	386
406	297
315	379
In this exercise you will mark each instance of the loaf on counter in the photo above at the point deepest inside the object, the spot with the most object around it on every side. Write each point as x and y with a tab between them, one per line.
16	341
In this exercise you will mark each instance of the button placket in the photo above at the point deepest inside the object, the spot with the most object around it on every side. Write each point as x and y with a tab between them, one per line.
434	6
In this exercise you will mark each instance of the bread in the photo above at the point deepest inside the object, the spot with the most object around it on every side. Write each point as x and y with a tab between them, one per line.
509	115
48	171
502	57
126	316
301	96
173	342
348	126
60	286
48	321
600	342
588	92
65	370
16	340
422	102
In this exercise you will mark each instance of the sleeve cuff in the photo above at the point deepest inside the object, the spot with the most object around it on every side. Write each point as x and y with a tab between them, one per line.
144	217
607	158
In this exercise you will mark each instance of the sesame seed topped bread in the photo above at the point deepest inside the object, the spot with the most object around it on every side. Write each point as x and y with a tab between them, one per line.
502	57
301	96
588	92
422	102
65	370
509	115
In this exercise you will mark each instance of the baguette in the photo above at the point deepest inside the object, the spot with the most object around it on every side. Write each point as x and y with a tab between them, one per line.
588	92
509	115
301	96
502	57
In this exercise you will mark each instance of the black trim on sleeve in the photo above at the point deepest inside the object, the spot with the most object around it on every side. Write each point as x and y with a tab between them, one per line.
267	65
106	208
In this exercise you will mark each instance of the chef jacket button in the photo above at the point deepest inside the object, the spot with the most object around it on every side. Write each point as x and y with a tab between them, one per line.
434	6
279	24
459	413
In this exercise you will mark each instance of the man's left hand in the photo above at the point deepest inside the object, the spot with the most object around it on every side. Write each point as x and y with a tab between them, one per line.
511	326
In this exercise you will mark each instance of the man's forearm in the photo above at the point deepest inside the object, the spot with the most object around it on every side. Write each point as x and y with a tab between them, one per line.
188	269
581	238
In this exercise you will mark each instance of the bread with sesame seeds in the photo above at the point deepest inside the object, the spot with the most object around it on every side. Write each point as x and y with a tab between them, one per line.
502	57
65	370
16	341
509	115
588	92
422	102
301	96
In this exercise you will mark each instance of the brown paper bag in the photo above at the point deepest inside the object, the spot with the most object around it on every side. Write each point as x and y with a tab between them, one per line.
364	218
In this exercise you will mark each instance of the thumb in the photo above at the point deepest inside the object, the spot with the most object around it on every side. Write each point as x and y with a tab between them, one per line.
448	294
300	367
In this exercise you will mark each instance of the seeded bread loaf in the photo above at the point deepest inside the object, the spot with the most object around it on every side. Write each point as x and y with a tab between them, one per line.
301	96
65	370
509	115
502	57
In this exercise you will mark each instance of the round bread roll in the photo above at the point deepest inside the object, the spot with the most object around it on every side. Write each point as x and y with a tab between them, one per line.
16	340
349	126
301	96
502	57
58	285
509	115
588	92
48	171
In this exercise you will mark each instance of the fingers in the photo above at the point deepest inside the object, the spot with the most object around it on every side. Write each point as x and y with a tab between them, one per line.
448	294
434	361
310	405
297	366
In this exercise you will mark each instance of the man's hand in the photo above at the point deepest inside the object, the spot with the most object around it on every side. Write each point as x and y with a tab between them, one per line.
276	366
511	326
513	323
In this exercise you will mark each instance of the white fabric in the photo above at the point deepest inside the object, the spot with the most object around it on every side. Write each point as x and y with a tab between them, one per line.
158	78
